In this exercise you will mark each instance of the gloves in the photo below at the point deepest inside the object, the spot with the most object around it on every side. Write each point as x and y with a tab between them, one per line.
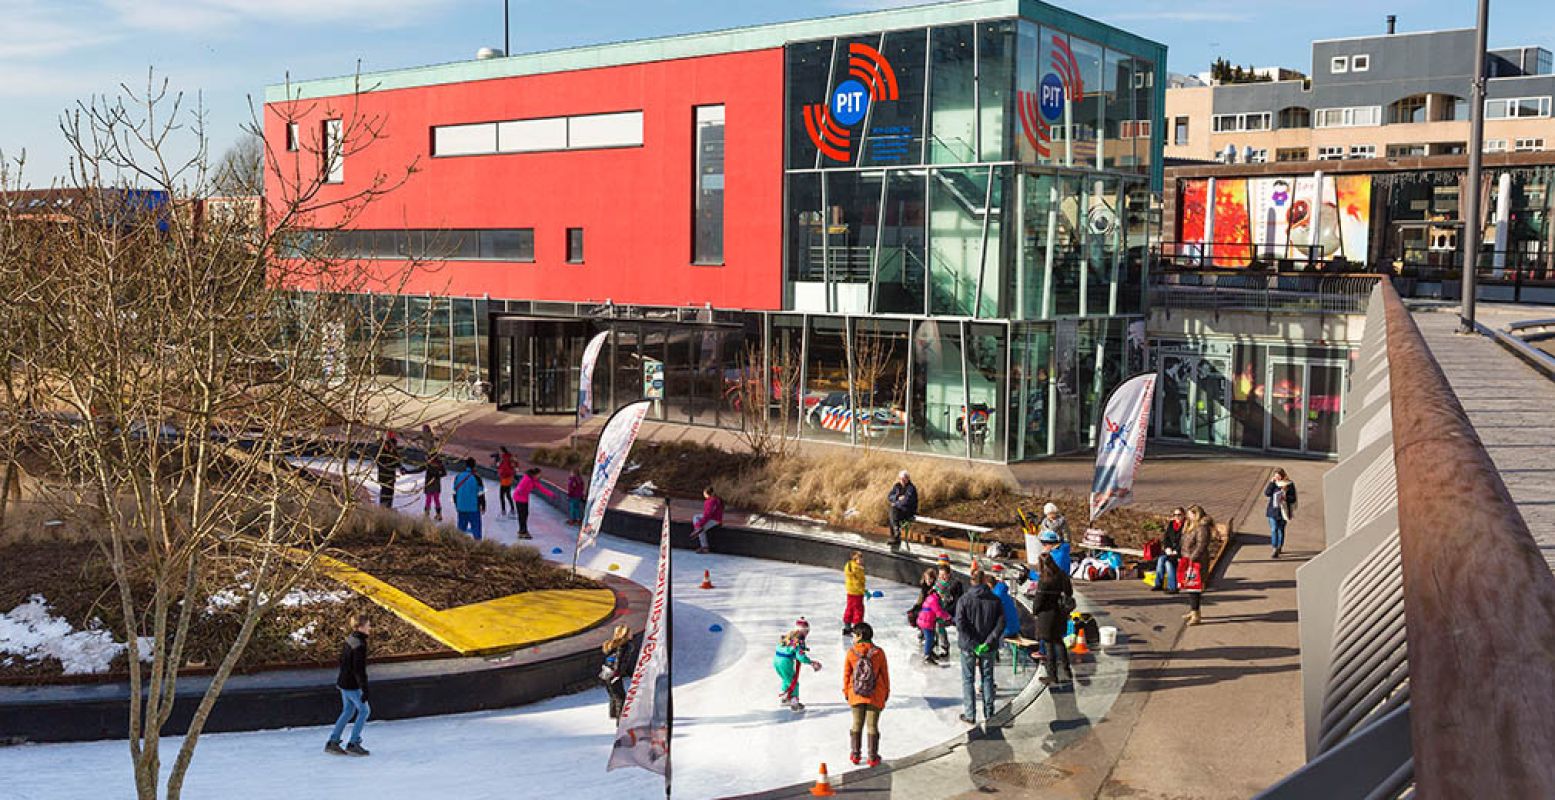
981	650
817	665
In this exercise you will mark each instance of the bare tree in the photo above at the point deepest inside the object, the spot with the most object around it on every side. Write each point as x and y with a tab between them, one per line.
241	170
877	378
768	399
161	365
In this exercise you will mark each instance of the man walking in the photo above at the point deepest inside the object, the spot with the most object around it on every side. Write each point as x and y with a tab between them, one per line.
469	500
1281	492
979	622
903	498
352	684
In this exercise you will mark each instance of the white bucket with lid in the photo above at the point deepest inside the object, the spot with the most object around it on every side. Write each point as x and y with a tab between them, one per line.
1109	636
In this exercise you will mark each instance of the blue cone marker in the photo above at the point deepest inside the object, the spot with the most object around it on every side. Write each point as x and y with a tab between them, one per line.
878	593
556	551
716	628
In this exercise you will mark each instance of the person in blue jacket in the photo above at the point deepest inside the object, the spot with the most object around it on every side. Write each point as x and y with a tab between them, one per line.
1001	590
469	500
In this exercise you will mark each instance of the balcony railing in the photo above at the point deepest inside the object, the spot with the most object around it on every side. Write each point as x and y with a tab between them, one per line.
1255	291
1427	624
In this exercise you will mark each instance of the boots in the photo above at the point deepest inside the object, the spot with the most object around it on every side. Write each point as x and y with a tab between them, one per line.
1193	618
853	746
874	749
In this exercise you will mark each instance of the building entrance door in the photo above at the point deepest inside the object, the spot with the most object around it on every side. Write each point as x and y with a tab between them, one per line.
538	363
1304	405
1194	400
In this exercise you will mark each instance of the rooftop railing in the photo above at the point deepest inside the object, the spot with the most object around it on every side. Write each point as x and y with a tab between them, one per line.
1269	293
1427	624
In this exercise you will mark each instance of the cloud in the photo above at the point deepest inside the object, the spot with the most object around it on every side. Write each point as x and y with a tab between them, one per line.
36	31
199	16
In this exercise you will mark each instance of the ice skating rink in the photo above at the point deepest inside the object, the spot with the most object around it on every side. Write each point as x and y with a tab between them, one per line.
731	736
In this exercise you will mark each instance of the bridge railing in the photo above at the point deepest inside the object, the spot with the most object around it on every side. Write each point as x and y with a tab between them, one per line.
1427	624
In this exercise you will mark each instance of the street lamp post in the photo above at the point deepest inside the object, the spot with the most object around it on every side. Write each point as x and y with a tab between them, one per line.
1473	225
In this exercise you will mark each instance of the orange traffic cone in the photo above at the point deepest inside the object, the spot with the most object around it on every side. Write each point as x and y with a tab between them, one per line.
707	580
822	787
1080	648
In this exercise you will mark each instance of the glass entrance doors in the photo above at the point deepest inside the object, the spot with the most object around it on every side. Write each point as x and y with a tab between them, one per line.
1194	400
1304	403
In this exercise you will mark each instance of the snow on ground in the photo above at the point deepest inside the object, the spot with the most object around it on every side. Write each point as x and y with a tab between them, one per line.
30	632
730	735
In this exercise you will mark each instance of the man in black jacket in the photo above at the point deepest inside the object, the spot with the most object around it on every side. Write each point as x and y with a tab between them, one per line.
979	622
903	498
352	683
388	462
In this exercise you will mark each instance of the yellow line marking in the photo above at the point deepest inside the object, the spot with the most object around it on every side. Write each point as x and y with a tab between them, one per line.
505	623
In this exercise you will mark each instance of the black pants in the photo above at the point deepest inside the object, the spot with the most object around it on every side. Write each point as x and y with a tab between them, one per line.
523	516
386	489
617	690
1054	652
1194	599
898	517
506	497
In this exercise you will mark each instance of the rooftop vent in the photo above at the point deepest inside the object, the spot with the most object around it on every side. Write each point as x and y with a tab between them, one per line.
1392	23
488	52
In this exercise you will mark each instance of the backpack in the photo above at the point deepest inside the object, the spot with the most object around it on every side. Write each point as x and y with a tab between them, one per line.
863	681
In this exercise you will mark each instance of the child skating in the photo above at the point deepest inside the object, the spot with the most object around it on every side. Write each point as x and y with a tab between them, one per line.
791	653
853	584
931	617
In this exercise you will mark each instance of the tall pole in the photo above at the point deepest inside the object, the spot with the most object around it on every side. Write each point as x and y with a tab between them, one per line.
506	47
1473	227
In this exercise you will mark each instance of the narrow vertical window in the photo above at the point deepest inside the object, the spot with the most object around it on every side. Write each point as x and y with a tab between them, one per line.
574	245
708	212
334	159
293	134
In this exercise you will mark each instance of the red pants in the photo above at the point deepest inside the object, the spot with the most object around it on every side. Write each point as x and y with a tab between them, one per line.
854	612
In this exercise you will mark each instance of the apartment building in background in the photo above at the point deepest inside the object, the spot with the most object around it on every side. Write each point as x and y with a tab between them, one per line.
1393	95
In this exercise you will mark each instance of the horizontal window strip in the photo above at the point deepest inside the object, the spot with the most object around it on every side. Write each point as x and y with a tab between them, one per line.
491	244
545	134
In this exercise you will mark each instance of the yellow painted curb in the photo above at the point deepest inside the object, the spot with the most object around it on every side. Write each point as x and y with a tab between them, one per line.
505	623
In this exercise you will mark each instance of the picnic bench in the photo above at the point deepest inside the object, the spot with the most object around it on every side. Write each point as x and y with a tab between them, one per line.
971	531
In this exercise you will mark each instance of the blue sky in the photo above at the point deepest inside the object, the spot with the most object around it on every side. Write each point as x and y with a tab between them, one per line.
56	52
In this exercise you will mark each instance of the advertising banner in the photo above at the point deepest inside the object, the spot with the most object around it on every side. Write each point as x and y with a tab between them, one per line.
586	376
644	730
1121	445
615	442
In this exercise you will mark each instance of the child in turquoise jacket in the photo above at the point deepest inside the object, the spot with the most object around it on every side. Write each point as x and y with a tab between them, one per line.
792	652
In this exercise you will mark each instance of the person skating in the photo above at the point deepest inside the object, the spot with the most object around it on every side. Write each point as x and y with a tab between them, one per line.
866	684
577	492
853	586
507	470
352	683
617	667
979	624
949	589
791	653
469	500
931	619
711	517
1194	569
527	484
432	486
903	500
388	462
1050	605
1281	492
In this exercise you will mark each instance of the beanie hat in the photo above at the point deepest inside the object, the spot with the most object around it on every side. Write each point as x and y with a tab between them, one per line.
1050	508
802	623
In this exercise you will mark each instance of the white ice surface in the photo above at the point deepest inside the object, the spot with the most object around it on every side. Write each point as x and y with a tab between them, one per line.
730	734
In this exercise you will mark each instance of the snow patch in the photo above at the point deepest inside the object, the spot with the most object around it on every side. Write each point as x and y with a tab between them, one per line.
32	633
632	466
296	598
302	637
645	489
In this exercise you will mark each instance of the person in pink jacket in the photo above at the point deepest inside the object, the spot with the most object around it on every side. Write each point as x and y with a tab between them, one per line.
928	619
712	515
529	483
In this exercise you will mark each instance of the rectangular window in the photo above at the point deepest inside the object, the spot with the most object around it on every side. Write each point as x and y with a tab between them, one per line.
1134	129
334	155
1339	64
531	135
1354	117
1518	107
574	245
1290	154
1233	123
293	137
464	140
1333	153
1529	145
708	212
1360	63
1257	156
1180	130
605	130
1363	151
1405	150
514	244
1495	146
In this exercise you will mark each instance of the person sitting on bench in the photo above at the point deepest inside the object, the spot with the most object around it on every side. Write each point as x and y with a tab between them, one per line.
712	515
904	506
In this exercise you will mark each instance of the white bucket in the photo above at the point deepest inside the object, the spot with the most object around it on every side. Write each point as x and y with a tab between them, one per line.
1033	549
1109	636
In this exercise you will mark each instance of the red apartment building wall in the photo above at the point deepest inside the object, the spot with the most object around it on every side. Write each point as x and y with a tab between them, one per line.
634	204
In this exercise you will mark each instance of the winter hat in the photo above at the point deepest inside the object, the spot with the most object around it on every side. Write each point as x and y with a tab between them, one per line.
944	559
1050	508
1049	537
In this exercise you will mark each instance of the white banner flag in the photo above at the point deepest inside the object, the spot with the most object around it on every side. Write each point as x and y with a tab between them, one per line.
615	442
644	730
1121	445
586	376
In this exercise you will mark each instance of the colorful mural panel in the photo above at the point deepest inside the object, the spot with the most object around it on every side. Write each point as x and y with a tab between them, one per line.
1277	218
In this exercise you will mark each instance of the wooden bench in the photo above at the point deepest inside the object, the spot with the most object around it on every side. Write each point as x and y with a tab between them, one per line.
1017	645
971	531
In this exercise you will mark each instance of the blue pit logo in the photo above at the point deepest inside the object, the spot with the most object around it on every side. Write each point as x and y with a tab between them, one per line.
849	103
1050	99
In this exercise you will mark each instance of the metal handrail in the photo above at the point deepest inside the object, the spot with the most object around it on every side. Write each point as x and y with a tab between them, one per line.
1479	599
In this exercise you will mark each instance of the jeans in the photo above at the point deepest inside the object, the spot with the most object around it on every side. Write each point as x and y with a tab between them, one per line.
928	641
1166	572
1277	533
970	662
470	522
351	703
699	529
575	508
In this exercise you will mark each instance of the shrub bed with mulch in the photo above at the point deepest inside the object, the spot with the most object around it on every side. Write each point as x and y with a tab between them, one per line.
60	612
